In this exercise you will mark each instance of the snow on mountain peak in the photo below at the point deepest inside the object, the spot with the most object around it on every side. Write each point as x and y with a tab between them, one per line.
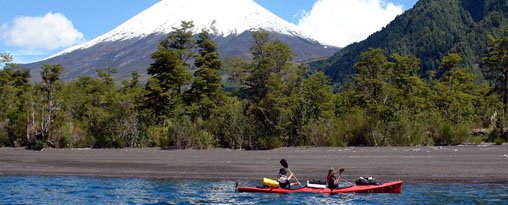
220	17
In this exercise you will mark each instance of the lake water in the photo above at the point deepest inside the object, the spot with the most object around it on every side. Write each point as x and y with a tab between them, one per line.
84	190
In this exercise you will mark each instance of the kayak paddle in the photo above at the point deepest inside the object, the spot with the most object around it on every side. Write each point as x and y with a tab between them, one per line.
284	163
340	172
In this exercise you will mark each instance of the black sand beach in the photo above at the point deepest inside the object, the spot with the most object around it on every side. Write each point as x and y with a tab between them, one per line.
464	164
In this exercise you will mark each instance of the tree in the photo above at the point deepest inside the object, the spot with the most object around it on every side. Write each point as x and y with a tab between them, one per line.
14	92
169	72
129	104
392	95
496	62
78	96
314	103
266	83
232	126
207	90
450	62
51	75
102	114
257	73
268	88
457	97
456	93
411	91
371	83
282	96
5	58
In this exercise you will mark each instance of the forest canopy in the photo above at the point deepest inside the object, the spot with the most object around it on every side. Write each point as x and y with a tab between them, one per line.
273	102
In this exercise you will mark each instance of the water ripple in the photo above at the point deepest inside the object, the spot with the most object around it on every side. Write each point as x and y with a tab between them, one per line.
84	190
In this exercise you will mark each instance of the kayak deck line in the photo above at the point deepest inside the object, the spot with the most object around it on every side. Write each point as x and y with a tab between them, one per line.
389	187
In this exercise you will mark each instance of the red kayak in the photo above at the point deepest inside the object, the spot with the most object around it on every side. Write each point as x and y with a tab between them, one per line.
389	187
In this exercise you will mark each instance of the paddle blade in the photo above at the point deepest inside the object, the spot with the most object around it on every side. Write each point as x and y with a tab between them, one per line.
284	163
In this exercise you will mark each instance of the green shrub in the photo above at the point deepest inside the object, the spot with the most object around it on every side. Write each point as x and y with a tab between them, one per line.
62	135
184	133
324	132
460	134
446	134
3	139
230	125
204	140
157	136
270	142
86	141
37	145
352	129
476	140
356	129
452	134
181	132
3	135
408	134
498	141
429	141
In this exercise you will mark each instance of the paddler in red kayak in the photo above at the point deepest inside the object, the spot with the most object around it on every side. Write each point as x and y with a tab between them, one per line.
332	180
284	180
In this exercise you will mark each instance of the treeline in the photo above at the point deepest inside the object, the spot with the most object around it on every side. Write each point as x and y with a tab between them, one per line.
274	102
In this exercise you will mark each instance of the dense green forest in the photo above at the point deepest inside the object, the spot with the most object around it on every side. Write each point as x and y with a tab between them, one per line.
275	101
430	30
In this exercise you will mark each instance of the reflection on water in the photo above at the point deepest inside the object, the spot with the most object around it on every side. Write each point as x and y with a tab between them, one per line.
83	190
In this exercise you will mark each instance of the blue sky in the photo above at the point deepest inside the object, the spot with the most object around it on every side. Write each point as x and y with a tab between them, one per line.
91	18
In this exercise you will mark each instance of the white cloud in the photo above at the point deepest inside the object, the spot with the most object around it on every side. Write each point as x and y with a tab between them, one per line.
28	56
342	22
47	32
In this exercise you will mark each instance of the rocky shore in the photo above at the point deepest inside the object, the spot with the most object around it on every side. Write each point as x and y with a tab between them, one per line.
464	164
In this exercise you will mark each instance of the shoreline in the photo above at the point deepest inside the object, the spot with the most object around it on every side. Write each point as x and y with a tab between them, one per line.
448	164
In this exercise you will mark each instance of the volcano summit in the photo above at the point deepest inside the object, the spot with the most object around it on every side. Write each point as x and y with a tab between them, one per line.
230	23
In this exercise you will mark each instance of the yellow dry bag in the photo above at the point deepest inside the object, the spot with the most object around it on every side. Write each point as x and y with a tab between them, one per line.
270	183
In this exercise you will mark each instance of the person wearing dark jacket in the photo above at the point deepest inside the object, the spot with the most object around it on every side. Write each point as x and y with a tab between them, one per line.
332	180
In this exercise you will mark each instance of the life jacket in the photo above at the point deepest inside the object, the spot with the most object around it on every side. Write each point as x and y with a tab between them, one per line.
330	180
283	181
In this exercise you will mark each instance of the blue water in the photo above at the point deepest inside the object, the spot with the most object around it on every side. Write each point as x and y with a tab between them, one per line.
83	190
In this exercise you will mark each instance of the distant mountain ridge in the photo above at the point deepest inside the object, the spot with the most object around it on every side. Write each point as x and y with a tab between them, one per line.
230	23
430	30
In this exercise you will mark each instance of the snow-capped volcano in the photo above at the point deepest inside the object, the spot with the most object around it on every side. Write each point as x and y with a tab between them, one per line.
220	17
230	23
